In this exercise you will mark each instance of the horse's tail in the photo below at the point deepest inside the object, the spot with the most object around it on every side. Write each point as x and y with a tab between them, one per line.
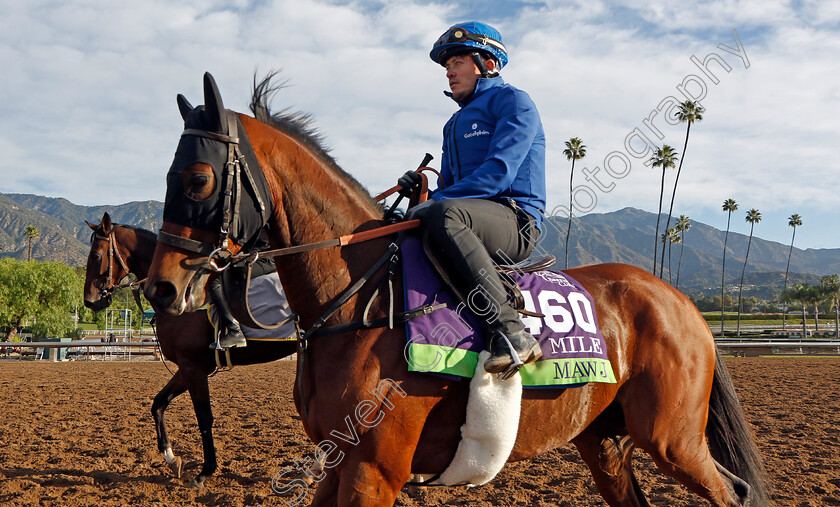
730	438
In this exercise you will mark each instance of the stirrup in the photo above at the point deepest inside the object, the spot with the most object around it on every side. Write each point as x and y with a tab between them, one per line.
222	343
514	367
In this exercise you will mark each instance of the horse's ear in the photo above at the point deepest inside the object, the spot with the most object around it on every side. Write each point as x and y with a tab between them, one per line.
106	222
213	106
92	226
184	106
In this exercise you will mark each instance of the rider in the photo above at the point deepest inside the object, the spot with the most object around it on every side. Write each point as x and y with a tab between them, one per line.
489	205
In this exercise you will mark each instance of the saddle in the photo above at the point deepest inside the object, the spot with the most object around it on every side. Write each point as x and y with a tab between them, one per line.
529	265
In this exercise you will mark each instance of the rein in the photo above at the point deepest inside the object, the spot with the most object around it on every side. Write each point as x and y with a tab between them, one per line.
348	239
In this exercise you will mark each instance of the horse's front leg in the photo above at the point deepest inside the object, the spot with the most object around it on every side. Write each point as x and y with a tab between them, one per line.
370	484
200	393
174	388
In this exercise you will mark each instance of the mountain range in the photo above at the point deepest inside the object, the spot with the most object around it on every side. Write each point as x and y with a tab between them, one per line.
621	236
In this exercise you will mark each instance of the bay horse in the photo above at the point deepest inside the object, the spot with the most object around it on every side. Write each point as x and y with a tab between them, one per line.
673	397
117	250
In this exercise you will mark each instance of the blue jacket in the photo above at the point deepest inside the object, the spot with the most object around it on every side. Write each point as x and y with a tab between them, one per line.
494	148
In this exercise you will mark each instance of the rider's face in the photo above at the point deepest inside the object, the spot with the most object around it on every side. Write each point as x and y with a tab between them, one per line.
462	74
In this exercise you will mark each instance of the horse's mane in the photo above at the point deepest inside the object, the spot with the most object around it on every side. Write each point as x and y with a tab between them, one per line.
296	124
137	230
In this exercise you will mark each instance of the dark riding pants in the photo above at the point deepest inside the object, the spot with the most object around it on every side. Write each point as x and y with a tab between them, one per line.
471	236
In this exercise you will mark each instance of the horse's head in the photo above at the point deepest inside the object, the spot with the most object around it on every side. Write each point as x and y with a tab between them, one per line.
217	201
105	265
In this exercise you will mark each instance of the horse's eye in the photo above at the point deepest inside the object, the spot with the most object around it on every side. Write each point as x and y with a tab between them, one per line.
198	185
95	256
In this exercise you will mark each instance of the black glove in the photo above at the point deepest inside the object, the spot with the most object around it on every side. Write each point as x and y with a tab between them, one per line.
409	181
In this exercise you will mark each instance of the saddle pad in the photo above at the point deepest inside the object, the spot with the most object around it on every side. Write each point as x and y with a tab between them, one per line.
448	341
268	304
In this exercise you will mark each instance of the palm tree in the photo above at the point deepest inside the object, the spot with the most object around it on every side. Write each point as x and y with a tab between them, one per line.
729	206
794	221
753	217
31	233
664	157
575	150
683	225
673	237
688	113
831	288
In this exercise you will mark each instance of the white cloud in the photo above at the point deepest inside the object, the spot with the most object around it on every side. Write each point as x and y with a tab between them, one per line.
89	89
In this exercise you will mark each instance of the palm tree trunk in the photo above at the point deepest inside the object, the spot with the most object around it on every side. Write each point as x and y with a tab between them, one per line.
569	229
658	216
679	264
674	193
29	251
787	269
743	272
816	316
723	275
804	324
670	272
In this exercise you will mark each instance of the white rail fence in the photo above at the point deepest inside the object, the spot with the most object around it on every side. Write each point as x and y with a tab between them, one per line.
96	349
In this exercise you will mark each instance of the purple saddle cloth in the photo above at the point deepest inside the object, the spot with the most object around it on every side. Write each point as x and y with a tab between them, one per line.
448	340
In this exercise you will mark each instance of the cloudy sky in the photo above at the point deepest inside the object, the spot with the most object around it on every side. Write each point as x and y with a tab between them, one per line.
88	91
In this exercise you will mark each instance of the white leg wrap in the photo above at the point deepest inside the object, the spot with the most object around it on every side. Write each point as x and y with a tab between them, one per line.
168	455
488	435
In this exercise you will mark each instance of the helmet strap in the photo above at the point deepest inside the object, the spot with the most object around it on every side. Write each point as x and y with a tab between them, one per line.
485	72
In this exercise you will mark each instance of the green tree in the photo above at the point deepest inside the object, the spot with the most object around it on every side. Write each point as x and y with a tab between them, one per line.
729	206
794	221
683	225
800	293
665	158
31	233
831	288
753	217
575	150
688	113
44	291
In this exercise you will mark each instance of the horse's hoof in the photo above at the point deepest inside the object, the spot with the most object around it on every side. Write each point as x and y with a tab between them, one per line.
198	482
175	466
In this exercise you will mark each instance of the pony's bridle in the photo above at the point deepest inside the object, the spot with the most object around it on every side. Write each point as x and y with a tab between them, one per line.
113	252
235	166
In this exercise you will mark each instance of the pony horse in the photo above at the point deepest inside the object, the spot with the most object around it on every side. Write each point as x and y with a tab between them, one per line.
375	422
117	250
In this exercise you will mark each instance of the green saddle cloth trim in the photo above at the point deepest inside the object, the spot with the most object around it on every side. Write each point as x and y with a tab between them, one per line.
428	358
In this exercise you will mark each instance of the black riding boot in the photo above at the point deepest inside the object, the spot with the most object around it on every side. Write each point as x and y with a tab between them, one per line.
509	352
230	334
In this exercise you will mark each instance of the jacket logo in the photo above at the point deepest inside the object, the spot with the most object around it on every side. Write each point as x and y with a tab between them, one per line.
476	132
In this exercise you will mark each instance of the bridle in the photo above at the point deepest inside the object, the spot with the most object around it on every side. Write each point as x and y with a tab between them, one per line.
218	255
113	253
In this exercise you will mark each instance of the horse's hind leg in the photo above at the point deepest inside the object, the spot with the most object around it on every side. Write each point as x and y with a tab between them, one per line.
174	388
608	453
200	394
669	424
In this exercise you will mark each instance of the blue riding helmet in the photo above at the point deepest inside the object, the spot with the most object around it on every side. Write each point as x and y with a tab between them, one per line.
471	34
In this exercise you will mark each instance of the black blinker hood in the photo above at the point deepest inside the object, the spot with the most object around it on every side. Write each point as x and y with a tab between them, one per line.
247	219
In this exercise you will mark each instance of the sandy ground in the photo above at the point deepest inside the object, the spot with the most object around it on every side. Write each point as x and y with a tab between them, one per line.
80	433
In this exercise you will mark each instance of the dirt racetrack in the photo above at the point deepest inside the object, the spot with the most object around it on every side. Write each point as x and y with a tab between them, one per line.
80	433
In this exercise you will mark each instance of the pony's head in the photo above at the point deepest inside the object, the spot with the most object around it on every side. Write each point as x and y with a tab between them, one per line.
217	201
105	265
